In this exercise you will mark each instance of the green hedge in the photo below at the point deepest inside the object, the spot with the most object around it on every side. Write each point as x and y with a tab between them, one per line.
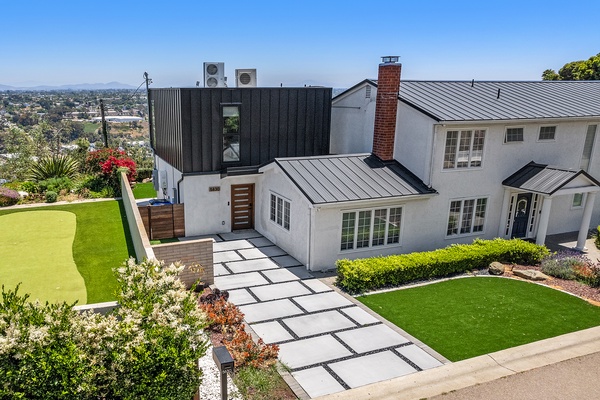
597	239
360	275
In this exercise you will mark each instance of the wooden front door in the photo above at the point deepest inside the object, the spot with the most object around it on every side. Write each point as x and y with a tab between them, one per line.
242	206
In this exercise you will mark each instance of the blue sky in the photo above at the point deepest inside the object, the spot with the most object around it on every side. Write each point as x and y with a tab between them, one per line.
290	42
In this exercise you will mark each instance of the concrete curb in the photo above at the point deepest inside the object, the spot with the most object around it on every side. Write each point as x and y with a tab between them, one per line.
480	369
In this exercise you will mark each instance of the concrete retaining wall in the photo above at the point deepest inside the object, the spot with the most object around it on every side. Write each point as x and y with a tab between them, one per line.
141	243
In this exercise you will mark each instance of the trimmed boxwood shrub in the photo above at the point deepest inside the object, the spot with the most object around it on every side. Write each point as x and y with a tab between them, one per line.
360	275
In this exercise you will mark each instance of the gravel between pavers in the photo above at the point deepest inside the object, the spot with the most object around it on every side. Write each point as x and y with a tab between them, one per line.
211	381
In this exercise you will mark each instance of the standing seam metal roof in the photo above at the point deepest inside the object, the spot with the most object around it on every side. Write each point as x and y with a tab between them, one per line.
332	179
467	101
541	178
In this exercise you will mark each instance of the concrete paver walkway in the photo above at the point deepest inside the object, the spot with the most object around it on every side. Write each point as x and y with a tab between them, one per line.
327	340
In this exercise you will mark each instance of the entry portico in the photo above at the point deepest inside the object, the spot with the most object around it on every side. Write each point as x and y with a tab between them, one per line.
528	195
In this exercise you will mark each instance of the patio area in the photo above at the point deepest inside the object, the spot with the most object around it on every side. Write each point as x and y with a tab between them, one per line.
329	341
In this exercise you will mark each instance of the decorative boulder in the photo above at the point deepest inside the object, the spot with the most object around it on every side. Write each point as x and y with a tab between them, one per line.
496	268
530	274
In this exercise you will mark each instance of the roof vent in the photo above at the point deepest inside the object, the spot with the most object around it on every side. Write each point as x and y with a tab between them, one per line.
389	59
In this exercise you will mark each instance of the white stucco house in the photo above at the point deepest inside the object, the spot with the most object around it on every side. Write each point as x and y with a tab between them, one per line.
406	165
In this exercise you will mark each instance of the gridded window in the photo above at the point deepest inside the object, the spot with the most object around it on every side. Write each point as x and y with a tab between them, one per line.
464	149
364	229
279	211
371	228
466	216
547	133
513	135
348	225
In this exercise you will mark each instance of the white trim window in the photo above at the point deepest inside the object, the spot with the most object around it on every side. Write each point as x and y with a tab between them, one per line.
280	211
371	228
578	200
464	148
466	216
547	133
513	135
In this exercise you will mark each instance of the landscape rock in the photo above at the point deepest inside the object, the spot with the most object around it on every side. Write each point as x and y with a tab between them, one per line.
496	268
530	274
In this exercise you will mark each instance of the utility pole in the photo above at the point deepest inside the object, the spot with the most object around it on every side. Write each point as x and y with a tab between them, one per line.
104	131
148	82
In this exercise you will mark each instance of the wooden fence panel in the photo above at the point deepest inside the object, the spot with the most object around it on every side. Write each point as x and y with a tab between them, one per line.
163	222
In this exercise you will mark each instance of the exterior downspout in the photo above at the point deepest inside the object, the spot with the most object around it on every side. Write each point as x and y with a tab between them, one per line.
311	239
179	189
433	143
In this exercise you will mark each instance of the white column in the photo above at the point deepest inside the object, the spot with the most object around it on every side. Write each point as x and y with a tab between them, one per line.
585	221
504	214
544	218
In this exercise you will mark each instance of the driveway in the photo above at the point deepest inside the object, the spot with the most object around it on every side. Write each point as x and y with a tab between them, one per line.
329	341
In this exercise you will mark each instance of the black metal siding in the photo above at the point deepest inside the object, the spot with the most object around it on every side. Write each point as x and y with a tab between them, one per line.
274	122
168	126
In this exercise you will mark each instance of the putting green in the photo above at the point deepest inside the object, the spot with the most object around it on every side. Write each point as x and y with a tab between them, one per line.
36	249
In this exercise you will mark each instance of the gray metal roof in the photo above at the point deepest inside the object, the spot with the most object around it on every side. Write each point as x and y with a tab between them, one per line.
545	179
332	179
461	101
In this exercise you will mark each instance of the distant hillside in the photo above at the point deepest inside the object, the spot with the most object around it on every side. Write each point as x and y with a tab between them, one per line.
75	86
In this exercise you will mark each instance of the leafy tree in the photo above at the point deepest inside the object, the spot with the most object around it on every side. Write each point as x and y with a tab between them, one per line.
19	150
576	71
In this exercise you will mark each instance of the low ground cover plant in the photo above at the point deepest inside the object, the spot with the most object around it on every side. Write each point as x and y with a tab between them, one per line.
360	275
256	373
147	348
572	266
8	197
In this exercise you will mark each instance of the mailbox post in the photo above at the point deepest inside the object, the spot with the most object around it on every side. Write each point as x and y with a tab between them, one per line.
225	364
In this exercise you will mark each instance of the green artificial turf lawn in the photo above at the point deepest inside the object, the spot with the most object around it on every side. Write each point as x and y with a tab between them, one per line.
468	317
102	242
144	191
51	233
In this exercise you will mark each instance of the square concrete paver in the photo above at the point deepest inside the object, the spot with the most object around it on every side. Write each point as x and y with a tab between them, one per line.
311	351
301	272
232	245
271	332
316	285
287	261
253	253
239	281
317	382
251	265
273	251
270	310
371	338
220	270
240	297
419	356
371	368
260	242
243	234
322	301
225	256
279	275
360	315
279	290
325	322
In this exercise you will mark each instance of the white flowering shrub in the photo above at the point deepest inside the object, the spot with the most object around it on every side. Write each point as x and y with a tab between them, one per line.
146	349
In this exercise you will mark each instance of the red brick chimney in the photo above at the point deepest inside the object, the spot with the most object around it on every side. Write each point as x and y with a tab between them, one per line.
386	107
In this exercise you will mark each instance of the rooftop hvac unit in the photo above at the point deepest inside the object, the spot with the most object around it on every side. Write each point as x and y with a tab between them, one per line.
214	74
245	77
